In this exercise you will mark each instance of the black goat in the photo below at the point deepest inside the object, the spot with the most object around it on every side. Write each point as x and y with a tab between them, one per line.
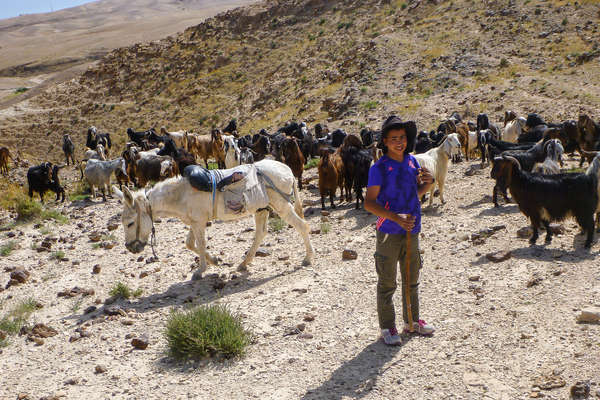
547	198
337	137
534	120
68	148
180	156
44	177
94	139
138	137
231	127
423	143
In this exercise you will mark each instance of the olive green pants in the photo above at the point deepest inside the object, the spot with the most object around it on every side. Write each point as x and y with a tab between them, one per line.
391	250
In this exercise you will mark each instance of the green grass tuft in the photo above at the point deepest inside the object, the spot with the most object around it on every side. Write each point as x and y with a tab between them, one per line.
58	255
325	227
12	323
206	331
312	163
21	90
7	248
123	291
276	224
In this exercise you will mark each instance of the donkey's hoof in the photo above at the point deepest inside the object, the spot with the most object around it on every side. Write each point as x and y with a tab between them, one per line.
197	275
242	268
306	262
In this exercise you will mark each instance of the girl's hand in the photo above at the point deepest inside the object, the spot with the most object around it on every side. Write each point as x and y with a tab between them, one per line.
425	177
406	221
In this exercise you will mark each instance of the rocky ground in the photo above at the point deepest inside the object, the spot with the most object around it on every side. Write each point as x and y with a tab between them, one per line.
506	330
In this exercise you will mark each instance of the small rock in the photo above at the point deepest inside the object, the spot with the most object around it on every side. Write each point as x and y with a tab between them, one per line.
96	269
349	255
72	381
144	274
74	338
474	278
127	322
325	213
580	390
305	336
90	309
315	231
95	236
23	396
535	280
114	310
20	275
140	259
525	232
262	252
2	335
309	317
301	327
100	369
590	315
112	226
38	341
499	256
43	331
283	258
107	245
140	343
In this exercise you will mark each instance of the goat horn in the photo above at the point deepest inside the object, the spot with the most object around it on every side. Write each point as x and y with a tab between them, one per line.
514	161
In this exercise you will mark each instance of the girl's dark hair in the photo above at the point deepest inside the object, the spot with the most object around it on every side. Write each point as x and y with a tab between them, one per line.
394	122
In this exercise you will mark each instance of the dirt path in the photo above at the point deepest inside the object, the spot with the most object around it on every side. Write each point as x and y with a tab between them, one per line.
495	336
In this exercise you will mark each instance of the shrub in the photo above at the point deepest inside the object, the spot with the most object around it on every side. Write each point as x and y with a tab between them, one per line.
58	255
503	63
122	291
12	323
312	163
21	90
206	331
276	224
370	105
7	248
325	227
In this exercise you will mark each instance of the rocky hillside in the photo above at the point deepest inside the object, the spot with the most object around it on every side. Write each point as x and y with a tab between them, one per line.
349	62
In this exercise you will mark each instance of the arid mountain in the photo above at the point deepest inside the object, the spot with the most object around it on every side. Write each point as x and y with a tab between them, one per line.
349	62
39	47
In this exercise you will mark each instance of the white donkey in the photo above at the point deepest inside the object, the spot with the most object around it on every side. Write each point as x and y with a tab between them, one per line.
175	197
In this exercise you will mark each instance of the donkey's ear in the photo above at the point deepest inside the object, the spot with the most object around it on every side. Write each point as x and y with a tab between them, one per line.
117	192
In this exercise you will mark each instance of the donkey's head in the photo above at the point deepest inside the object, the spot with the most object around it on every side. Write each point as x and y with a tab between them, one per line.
136	219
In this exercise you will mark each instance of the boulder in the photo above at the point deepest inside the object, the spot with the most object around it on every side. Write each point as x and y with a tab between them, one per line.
140	343
349	255
590	315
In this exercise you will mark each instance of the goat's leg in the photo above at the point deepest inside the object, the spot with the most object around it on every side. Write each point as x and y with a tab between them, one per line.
548	231
332	197
598	222
495	195
441	183
431	195
535	223
260	219
587	225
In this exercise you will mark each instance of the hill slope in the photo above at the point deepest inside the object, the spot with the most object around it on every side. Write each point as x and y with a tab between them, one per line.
352	60
39	47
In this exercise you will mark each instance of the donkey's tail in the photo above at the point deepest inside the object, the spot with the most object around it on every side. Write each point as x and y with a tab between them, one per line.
297	201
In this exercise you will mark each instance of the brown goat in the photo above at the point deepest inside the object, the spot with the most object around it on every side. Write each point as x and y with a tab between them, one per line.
206	147
463	136
330	176
154	168
589	136
293	158
4	156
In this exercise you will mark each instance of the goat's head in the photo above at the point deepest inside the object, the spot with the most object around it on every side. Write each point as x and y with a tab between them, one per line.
136	218
452	145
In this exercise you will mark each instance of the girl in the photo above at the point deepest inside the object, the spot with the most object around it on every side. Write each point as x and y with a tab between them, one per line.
396	183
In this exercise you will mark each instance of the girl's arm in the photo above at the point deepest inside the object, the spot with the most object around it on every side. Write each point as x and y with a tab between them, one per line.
406	221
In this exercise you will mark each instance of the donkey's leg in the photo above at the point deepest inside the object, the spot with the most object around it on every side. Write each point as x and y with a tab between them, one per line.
260	220
191	244
199	248
287	213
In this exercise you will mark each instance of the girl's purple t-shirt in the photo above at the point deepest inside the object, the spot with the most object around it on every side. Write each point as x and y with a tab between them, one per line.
398	191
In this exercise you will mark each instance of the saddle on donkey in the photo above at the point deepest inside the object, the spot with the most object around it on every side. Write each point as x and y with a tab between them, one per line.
242	190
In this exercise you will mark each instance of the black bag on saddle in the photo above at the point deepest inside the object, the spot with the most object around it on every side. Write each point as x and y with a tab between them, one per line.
200	178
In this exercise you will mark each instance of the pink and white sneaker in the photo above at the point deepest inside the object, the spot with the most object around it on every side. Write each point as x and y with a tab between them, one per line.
421	327
391	337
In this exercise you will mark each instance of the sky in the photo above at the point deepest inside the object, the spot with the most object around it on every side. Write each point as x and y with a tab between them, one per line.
13	8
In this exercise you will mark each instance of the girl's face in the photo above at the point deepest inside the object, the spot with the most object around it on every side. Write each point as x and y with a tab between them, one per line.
396	142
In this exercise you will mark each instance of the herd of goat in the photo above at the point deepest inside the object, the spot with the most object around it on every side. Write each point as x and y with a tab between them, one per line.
525	154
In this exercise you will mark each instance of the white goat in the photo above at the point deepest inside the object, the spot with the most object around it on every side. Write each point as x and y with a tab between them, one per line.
436	161
98	174
179	137
98	154
232	151
513	129
554	152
